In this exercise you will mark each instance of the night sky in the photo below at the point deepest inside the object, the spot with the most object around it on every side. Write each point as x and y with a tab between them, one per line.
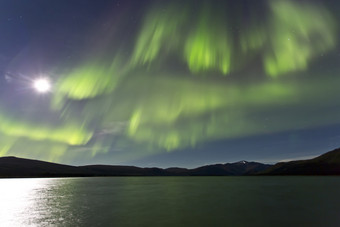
169	83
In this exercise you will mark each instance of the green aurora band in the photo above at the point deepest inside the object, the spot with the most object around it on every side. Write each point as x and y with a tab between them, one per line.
132	101
70	133
205	111
294	34
300	32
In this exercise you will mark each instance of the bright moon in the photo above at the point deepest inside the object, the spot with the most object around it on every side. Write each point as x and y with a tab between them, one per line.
42	85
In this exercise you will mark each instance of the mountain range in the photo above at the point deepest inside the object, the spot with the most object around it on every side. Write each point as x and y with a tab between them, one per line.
326	164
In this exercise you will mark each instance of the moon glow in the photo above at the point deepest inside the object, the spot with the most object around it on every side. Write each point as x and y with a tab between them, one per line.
42	85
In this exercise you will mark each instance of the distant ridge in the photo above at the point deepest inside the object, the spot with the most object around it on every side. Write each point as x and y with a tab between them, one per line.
326	164
230	169
20	167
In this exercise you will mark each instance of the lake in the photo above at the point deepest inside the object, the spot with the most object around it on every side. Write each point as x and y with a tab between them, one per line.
171	201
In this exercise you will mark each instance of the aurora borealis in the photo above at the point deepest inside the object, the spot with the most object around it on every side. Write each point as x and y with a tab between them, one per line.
169	83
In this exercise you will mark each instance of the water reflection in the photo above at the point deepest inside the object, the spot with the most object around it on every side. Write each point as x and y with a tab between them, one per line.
170	201
19	200
32	202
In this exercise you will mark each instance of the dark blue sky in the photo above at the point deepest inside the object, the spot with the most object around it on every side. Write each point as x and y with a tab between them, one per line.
160	83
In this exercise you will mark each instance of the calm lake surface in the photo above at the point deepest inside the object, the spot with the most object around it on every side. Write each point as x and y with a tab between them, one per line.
171	201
